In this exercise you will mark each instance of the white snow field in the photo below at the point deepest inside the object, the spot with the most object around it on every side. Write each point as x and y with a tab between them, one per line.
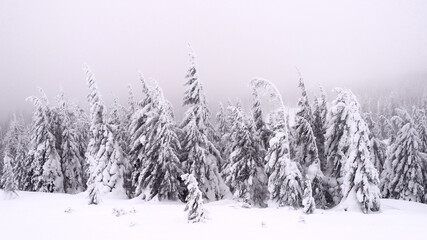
62	216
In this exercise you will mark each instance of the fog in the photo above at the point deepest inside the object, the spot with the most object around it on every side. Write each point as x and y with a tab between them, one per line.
377	45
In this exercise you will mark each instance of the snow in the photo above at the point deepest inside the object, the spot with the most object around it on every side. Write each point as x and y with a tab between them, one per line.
62	216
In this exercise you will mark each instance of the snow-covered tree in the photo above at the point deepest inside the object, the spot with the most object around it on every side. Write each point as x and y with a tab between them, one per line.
348	153
104	154
384	127
83	132
306	154
161	171
308	201
246	178
45	170
223	130
260	126
319	126
199	154
304	108
8	179
70	154
194	199
285	179
15	147
139	132
377	147
403	176
421	127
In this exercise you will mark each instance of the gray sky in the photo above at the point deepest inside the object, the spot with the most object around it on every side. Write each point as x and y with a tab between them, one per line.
357	44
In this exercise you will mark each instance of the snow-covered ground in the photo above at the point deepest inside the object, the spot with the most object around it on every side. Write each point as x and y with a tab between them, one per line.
61	216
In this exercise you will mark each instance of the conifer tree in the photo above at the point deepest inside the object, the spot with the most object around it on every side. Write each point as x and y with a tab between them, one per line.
8	179
246	178
139	132
70	155
285	179
403	176
105	156
96	139
199	154
307	155
160	174
260	126
223	132
319	126
304	108
421	127
377	147
194	199
15	147
308	200
348	153
45	170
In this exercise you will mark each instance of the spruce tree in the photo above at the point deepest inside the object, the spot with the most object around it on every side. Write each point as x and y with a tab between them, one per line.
421	127
194	199
260	126
306	154
15	146
45	170
285	178
70	155
199	154
308	201
403	176
319	126
377	147
223	132
247	178
348	153
104	153
161	171
8	179
139	132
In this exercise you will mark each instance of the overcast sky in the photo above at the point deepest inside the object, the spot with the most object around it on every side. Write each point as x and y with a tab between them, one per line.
356	44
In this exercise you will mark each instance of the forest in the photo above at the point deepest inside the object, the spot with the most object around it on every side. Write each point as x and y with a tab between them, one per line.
328	151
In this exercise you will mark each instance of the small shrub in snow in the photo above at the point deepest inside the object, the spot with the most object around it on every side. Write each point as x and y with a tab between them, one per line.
308	200
196	212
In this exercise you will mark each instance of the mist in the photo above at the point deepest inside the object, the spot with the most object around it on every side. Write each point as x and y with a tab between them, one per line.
372	47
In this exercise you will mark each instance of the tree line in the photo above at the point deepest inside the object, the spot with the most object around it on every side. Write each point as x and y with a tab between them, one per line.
328	152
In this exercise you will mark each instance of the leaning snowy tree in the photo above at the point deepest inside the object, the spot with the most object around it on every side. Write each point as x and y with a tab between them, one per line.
70	155
403	176
319	126
139	132
194	199
161	171
45	170
260	126
308	200
305	147
306	154
246	176
199	154
285	178
104	154
377	147
349	158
